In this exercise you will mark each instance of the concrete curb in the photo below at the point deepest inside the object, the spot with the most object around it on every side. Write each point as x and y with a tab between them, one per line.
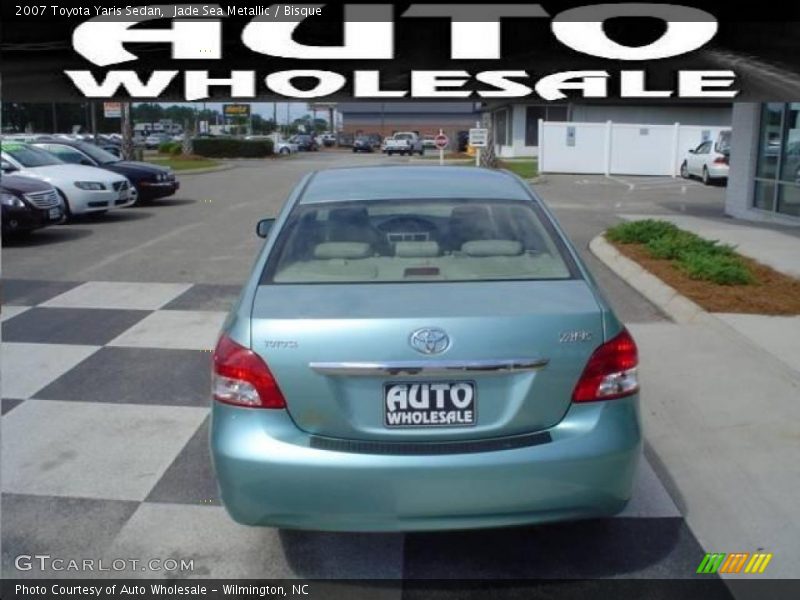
675	305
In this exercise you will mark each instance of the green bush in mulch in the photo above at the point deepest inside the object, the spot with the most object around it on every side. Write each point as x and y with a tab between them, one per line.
701	259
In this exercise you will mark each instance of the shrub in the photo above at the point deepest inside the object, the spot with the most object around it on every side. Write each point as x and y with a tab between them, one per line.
232	148
640	232
721	269
176	149
675	244
168	147
697	257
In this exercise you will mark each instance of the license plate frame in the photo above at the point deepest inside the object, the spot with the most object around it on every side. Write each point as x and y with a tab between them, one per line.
54	214
432	417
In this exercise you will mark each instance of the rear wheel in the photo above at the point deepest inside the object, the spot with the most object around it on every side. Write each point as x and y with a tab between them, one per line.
284	151
706	176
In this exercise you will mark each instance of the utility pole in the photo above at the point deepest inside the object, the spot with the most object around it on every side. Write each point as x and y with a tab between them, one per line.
93	119
127	131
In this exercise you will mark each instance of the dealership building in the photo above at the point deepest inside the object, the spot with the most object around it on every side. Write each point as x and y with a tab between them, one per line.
764	181
386	118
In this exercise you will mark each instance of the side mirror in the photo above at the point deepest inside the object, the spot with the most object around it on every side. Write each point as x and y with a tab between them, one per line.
691	150
7	167
263	227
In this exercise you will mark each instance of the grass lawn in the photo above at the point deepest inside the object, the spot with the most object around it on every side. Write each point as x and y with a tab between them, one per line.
527	169
183	163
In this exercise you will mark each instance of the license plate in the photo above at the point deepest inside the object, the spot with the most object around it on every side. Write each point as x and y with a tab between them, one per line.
54	213
430	404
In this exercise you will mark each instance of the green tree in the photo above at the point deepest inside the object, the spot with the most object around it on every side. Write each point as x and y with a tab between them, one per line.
147	112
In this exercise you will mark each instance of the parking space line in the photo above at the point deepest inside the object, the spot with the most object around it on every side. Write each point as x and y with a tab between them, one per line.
630	186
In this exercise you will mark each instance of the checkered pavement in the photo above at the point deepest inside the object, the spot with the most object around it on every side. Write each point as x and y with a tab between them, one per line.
104	455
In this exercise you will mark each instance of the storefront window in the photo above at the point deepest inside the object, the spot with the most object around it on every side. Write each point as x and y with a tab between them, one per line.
778	171
532	116
790	158
501	127
765	196
789	200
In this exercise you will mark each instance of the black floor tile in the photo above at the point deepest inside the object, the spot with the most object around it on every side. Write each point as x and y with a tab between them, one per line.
88	326
204	296
190	478
599	548
137	376
30	292
58	527
9	404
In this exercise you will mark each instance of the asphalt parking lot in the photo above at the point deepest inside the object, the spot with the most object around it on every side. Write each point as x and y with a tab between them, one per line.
108	325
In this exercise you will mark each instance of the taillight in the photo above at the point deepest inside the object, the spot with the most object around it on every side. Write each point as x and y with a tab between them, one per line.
721	160
610	372
242	378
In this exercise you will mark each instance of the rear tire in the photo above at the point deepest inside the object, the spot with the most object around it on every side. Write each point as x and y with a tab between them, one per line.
706	176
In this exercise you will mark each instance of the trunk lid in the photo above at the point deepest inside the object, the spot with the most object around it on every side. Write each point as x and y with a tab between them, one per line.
294	326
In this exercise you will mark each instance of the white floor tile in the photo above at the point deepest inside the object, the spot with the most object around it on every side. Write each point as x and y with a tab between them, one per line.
9	311
92	449
222	548
117	294
174	329
27	368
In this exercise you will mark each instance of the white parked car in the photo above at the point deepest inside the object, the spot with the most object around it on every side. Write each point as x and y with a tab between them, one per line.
279	145
285	147
710	160
83	189
154	140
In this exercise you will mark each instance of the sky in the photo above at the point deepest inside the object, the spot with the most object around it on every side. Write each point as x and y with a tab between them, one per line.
265	109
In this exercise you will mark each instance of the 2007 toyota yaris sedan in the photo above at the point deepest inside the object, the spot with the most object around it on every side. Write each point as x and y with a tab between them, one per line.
421	348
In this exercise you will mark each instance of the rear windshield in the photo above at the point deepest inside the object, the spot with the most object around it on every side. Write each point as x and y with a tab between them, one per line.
416	240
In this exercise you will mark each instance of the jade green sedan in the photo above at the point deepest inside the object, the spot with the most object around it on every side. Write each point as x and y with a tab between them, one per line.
421	348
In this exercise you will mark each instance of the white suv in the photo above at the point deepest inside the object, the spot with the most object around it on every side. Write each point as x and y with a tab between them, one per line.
84	189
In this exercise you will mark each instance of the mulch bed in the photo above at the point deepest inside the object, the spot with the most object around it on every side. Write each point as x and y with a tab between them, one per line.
773	293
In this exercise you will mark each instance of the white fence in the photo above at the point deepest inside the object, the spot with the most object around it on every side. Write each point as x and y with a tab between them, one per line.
618	148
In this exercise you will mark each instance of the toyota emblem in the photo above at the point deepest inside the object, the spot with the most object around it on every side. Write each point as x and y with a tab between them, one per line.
429	340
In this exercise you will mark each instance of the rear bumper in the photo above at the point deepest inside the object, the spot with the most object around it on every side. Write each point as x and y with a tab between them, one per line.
269	475
718	171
